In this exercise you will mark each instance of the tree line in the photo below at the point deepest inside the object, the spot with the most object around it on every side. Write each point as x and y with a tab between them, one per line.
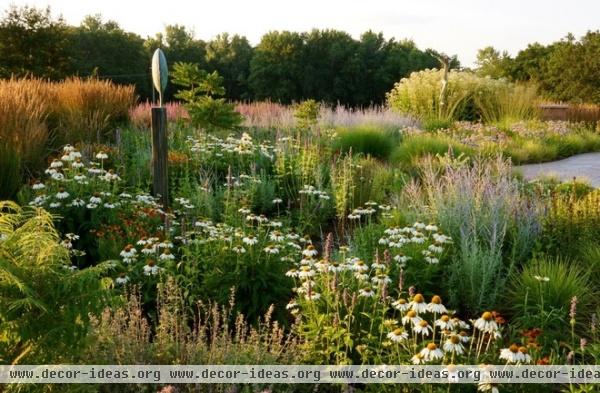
326	65
566	70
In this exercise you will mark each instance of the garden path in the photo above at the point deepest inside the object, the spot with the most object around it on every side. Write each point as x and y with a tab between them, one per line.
581	166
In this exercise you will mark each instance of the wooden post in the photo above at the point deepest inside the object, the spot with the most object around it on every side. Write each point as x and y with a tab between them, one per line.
160	182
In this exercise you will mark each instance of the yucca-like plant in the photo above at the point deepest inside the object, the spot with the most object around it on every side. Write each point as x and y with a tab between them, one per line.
44	304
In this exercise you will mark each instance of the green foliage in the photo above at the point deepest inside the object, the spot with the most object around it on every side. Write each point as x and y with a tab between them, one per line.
230	56
307	114
201	88
414	147
503	103
27	30
44	305
540	296
367	140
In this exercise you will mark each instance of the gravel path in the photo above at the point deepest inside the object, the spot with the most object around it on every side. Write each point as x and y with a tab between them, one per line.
582	166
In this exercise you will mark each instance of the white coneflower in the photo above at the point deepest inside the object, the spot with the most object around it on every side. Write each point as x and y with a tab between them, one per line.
128	252
68	148
422	328
62	194
418	303
411	317
464	337
55	205
486	323
431	353
250	240
435	248
58	176
142	242
359	266
485	386
460	323
310	251
383	241
436	305
397	335
381	279
306	272
77	164
292	273
336	267
101	155
56	164
166	255
366	292
361	276
401	258
151	268
95	199
122	279
81	179
277	201
312	296
276	236
353	216
401	304
453	345
38	186
67	157
75	154
440	238
431	228
378	265
322	265
432	260
239	250
109	205
417	359
445	323
149	249
510	354
419	225
270	249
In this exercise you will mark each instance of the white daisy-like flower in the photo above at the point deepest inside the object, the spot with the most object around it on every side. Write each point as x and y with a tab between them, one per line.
411	317
142	242
397	335
310	251
58	176
291	305
56	164
359	266
239	249
436	305
361	276
422	328
109	205
376	266
151	269
418	304
440	238
431	353
55	205
366	292
276	236
486	323
62	194
312	296
418	359
75	154
250	240
445	323
77	164
381	279
454	345
431	260
292	273
277	201
68	148
401	258
149	249
460	323
435	248
401	304
515	354
166	255
91	206
485	386
336	267
292	236
419	225
270	249
306	272
95	199
67	158
101	155
122	279
431	228
38	186
128	252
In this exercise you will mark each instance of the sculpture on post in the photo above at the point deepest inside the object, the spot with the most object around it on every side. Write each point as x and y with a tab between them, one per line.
160	184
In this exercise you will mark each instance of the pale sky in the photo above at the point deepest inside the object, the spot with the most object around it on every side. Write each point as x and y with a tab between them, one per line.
451	26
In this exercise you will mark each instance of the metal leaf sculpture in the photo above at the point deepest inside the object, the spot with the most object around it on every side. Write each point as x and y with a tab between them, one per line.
160	73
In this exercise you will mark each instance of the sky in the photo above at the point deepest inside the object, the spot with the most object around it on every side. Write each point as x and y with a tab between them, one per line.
458	27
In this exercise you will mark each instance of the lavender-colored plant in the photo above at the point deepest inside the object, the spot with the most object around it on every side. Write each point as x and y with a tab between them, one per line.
494	223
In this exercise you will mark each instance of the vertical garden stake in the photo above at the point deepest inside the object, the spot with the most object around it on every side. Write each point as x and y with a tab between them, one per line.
160	182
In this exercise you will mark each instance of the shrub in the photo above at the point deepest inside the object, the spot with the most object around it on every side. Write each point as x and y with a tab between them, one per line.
307	114
540	296
44	304
367	140
494	224
502	103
